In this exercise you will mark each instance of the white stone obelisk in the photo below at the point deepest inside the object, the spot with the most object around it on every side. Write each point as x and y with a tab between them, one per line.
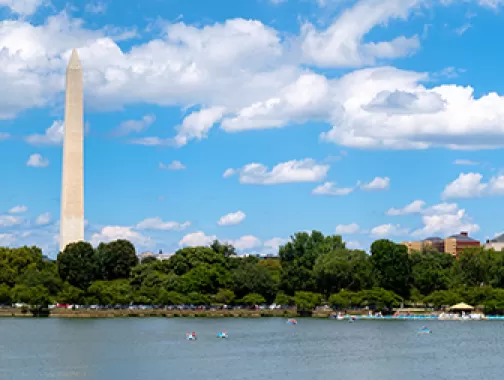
72	189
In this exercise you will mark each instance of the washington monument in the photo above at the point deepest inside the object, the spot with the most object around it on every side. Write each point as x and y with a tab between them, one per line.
72	188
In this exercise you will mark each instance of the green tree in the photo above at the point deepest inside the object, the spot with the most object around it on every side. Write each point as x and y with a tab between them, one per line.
307	300
298	258
78	264
253	299
283	299
70	295
391	266
431	271
116	259
225	296
5	295
253	278
342	269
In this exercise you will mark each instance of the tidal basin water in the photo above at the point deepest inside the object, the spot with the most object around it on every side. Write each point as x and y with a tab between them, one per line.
257	349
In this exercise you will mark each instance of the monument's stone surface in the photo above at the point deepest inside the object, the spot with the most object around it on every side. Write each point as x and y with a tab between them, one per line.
72	189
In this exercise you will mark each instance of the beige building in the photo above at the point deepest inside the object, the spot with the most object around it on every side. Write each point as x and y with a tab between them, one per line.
452	244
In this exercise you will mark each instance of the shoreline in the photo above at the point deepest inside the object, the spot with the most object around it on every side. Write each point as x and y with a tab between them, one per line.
161	313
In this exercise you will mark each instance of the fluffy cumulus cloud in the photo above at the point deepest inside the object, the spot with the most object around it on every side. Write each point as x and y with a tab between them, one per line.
232	218
472	185
36	160
134	126
10	220
246	242
261	77
446	223
342	43
157	223
111	233
22	7
330	188
307	170
43	219
440	219
18	209
389	230
174	165
52	135
378	183
347	229
196	239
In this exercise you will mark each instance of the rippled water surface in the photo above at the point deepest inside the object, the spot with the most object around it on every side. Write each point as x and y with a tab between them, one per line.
151	349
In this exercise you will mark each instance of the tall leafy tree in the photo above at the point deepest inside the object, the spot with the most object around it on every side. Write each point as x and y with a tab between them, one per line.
78	265
116	258
391	266
299	256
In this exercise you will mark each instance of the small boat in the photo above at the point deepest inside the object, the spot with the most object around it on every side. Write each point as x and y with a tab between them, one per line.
191	336
222	334
292	321
425	330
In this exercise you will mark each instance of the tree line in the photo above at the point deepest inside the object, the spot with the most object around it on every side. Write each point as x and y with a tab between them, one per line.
310	270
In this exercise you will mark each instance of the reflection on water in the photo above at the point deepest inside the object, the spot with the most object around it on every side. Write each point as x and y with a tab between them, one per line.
151	349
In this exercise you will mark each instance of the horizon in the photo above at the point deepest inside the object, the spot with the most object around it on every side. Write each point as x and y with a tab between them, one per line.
247	123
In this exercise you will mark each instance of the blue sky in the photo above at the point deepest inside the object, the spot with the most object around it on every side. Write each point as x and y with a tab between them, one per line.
248	121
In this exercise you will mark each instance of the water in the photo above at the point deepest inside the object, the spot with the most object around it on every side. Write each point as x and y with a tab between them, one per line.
152	349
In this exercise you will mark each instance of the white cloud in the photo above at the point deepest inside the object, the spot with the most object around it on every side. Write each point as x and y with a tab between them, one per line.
385	230
446	224
353	245
52	136
134	126
232	218
10	220
245	242
4	136
196	239
36	160
465	162
96	8
329	188
467	185
272	245
308	98
22	7
228	173
7	240
378	183
157	223
18	209
347	229
342	43
43	219
174	165
306	170
470	185
412	208
111	233
247	75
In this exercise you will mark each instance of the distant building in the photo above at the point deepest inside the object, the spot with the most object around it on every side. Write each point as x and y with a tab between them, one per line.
496	244
456	243
432	242
159	256
452	244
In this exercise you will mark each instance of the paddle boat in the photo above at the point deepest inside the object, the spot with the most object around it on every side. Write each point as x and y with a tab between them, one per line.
291	322
222	334
425	330
191	336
